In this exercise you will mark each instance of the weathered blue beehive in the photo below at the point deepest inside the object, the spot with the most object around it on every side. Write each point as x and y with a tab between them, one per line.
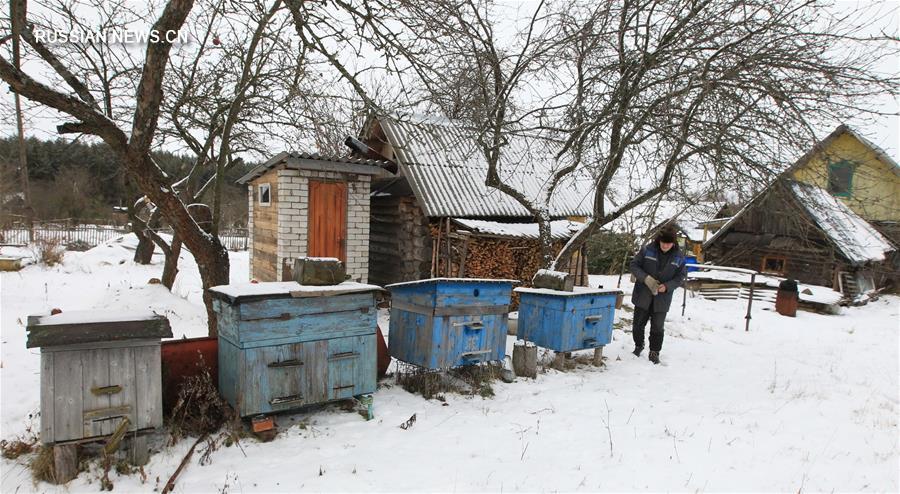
566	321
284	345
441	323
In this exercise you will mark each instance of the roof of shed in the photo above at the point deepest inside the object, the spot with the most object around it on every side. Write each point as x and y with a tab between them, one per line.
645	218
857	240
316	161
446	169
559	229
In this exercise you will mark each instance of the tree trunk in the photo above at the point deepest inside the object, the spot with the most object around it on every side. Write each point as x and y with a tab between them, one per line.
214	267
145	247
575	242
546	241
170	268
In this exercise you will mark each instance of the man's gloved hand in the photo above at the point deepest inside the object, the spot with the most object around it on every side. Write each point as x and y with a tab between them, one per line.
652	284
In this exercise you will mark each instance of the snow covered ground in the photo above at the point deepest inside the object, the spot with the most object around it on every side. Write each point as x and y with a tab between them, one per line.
808	403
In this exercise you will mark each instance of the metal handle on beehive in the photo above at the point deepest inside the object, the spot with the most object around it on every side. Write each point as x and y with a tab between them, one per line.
286	363
474	355
593	318
341	355
281	400
470	324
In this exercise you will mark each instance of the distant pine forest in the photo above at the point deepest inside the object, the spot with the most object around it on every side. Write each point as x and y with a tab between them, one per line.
83	182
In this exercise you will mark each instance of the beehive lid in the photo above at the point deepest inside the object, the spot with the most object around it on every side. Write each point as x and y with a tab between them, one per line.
73	327
242	292
578	290
452	280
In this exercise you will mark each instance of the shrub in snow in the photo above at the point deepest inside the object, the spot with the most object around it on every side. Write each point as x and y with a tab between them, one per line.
48	251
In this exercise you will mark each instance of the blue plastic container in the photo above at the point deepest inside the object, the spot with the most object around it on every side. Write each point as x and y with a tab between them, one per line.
566	321
691	259
441	323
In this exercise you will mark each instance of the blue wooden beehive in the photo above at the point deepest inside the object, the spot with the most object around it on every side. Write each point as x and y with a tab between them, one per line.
566	321
441	323
284	345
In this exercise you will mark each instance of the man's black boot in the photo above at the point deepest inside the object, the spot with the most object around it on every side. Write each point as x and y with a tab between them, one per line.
654	357
637	351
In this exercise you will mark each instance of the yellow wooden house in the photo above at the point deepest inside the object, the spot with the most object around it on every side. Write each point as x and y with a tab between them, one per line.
858	173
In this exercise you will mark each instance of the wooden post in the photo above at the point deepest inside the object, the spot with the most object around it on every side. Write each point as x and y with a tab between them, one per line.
65	462
750	301
462	258
684	299
525	359
436	265
449	255
138	450
598	356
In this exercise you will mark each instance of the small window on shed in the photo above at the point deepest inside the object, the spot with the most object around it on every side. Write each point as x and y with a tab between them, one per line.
265	194
774	264
840	178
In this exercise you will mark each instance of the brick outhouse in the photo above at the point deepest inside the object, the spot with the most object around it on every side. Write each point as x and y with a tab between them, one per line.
309	205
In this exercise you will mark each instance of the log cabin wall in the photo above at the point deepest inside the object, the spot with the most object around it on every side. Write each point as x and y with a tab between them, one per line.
263	228
776	228
399	242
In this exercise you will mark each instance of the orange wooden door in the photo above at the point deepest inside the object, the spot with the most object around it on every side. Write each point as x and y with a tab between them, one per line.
327	220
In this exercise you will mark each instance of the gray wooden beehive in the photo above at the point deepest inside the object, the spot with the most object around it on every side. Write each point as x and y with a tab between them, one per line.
98	368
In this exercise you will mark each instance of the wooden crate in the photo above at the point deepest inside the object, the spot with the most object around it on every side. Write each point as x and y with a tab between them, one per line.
98	368
566	321
283	345
441	323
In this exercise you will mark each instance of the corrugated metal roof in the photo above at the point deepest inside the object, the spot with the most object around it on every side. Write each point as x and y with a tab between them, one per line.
559	229
447	169
284	156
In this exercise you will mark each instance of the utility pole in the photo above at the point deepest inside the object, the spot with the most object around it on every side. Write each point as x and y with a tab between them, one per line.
17	15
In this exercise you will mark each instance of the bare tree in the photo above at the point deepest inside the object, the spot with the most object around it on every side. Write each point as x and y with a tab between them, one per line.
647	95
216	98
722	92
133	148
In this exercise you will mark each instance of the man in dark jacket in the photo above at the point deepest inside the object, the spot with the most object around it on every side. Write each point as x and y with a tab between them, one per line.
659	269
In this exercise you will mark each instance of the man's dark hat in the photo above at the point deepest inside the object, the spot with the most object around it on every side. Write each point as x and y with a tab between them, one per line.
667	234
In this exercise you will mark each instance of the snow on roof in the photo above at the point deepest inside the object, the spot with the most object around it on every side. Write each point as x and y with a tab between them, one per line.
559	229
284	288
301	161
446	169
578	290
857	240
644	218
95	316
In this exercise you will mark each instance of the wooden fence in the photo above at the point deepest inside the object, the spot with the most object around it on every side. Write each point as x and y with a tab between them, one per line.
91	235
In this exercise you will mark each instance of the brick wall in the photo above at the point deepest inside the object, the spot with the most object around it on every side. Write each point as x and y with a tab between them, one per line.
293	204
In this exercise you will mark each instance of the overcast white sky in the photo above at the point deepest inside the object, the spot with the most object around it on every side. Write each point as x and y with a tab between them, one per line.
884	131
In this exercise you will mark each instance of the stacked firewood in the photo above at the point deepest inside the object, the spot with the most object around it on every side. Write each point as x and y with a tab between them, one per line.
489	257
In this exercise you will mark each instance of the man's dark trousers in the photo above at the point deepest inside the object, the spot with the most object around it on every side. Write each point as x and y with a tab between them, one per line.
657	319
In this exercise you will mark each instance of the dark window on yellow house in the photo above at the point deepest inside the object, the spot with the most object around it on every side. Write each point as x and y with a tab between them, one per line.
840	178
